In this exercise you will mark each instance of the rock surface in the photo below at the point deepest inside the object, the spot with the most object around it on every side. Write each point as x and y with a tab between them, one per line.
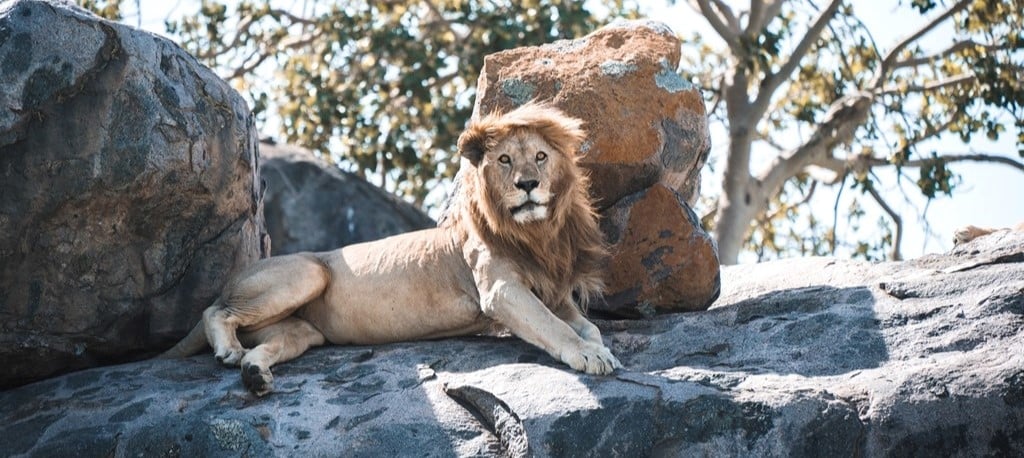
804	357
646	129
128	190
313	206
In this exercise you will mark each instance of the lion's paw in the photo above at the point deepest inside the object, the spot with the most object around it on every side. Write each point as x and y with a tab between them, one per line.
592	359
257	380
230	356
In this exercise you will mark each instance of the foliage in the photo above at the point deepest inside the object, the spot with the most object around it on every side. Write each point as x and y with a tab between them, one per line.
808	80
109	9
384	87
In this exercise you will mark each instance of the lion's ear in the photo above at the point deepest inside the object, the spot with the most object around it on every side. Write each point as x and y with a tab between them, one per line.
473	143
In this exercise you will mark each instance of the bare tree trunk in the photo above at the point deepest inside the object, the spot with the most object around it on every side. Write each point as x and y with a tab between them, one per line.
744	196
739	203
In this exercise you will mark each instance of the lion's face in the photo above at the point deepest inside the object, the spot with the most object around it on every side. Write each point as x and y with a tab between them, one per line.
519	172
522	194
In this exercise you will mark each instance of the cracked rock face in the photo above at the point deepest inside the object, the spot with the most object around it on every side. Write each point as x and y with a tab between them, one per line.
803	357
647	133
313	206
128	190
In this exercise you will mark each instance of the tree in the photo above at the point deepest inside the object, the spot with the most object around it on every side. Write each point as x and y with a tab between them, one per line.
813	67
386	86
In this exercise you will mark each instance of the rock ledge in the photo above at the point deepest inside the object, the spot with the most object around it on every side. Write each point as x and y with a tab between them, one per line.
804	357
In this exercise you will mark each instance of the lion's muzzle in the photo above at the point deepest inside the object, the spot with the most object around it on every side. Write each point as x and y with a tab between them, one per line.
532	206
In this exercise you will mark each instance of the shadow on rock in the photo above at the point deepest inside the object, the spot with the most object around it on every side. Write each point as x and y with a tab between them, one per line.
810	331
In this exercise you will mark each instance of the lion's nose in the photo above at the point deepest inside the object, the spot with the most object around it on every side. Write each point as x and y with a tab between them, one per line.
527	185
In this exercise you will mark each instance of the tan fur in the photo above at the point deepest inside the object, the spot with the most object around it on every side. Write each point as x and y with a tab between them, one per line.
521	249
967	233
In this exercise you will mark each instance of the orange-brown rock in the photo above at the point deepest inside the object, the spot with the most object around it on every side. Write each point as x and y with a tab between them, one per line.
647	143
645	123
662	260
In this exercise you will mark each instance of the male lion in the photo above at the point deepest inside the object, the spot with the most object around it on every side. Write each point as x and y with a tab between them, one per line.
520	241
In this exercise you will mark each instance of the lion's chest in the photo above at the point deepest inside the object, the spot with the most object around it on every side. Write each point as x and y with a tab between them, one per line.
550	287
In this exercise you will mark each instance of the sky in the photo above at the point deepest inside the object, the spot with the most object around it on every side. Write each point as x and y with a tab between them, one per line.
989	195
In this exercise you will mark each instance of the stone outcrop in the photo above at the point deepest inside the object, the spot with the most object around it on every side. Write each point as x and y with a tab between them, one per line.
313	206
646	131
803	357
663	260
128	190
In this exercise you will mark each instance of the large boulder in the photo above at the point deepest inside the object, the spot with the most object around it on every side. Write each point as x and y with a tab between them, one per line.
128	190
663	260
311	205
803	357
646	130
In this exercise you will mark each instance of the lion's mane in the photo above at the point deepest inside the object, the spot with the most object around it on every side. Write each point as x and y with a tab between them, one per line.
559	256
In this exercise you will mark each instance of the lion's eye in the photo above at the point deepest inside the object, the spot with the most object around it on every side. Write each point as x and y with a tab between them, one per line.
504	159
541	156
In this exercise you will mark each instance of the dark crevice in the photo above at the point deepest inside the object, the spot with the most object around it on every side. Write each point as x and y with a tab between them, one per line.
495	415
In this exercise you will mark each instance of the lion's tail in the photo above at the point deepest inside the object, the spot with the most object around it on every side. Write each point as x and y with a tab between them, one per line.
193	343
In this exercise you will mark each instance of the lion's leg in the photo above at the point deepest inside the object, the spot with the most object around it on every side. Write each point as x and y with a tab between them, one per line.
278	342
579	323
270	291
220	333
587	330
518	309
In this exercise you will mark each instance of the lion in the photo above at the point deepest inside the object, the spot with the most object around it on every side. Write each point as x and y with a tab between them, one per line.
967	233
520	249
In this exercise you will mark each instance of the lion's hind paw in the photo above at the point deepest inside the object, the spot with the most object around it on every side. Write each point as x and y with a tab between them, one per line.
257	380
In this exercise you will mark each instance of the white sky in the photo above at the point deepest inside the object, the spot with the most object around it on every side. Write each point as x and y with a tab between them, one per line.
990	194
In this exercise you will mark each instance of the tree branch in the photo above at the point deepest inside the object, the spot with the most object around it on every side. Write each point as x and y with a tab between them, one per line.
838	127
294	18
727	14
897	220
932	131
756	10
930	86
971	157
728	34
803	200
890	58
761	12
772	82
955	48
835	216
241	30
863	163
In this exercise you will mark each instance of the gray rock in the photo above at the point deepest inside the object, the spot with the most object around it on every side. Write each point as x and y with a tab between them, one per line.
128	190
804	357
311	205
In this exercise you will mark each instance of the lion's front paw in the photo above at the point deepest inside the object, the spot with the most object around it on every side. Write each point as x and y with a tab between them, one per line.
230	356
592	359
257	380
